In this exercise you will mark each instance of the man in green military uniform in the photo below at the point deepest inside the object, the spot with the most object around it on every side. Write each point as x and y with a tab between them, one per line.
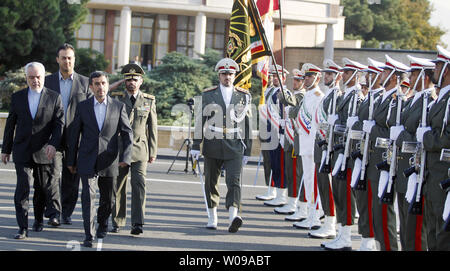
141	110
224	129
435	137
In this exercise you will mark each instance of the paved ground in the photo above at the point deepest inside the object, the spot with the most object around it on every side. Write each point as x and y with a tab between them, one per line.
175	219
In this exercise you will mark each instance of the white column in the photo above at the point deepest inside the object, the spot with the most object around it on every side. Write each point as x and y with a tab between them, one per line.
200	34
329	42
124	36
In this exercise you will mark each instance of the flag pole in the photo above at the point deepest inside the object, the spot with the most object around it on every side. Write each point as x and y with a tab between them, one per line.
263	33
281	36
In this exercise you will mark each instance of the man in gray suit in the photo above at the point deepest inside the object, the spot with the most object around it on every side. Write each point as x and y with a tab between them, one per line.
33	133
73	88
94	139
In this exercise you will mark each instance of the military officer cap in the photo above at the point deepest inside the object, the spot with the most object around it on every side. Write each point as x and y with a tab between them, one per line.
352	65
374	66
330	66
298	74
443	55
310	69
395	65
274	70
227	65
132	71
420	63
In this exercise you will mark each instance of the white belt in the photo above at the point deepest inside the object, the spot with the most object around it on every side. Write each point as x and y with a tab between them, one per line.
224	130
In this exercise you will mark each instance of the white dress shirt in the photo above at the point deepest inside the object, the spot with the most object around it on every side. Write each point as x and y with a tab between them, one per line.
65	86
227	92
100	112
33	100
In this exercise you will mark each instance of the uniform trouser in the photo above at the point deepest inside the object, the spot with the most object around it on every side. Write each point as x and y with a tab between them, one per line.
138	195
412	227
438	239
344	200
325	191
290	169
277	166
46	192
233	168
88	193
309	179
384	220
70	184
363	199
267	166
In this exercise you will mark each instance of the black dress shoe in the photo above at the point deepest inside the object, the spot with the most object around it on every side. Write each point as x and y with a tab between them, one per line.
66	220
136	229
87	243
115	229
54	222
21	234
38	226
235	224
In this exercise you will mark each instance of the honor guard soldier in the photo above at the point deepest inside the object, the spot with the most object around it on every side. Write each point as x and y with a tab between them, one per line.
307	134
141	110
343	195
278	99
384	217
226	141
293	168
360	180
331	77
412	228
435	136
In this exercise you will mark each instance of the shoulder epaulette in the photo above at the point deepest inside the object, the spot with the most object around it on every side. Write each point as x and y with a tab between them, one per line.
117	93
242	90
317	93
209	89
148	96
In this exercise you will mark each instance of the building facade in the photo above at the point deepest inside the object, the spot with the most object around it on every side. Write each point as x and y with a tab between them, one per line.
145	30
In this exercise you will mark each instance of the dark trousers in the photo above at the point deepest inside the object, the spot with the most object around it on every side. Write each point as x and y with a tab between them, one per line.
46	192
70	184
88	193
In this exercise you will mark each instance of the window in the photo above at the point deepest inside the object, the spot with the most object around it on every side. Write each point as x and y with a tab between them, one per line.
92	32
215	34
141	48
185	35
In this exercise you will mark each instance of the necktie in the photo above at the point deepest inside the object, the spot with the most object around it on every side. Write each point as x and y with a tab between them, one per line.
133	100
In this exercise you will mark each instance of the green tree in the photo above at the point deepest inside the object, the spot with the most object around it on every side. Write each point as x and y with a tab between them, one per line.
88	60
32	30
401	23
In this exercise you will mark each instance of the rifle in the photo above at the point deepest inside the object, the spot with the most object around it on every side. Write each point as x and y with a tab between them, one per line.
388	194
326	168
349	134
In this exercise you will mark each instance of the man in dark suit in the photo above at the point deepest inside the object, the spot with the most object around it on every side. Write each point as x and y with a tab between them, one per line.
33	133
94	151
73	88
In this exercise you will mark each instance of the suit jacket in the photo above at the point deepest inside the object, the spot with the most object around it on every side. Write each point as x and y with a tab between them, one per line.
220	145
143	120
79	92
26	137
98	151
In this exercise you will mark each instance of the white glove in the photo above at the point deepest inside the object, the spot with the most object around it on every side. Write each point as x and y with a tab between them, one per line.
324	157
412	179
367	125
356	172
332	119
244	160
282	141
282	123
395	132
195	154
446	207
351	121
338	164
384	178
420	132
